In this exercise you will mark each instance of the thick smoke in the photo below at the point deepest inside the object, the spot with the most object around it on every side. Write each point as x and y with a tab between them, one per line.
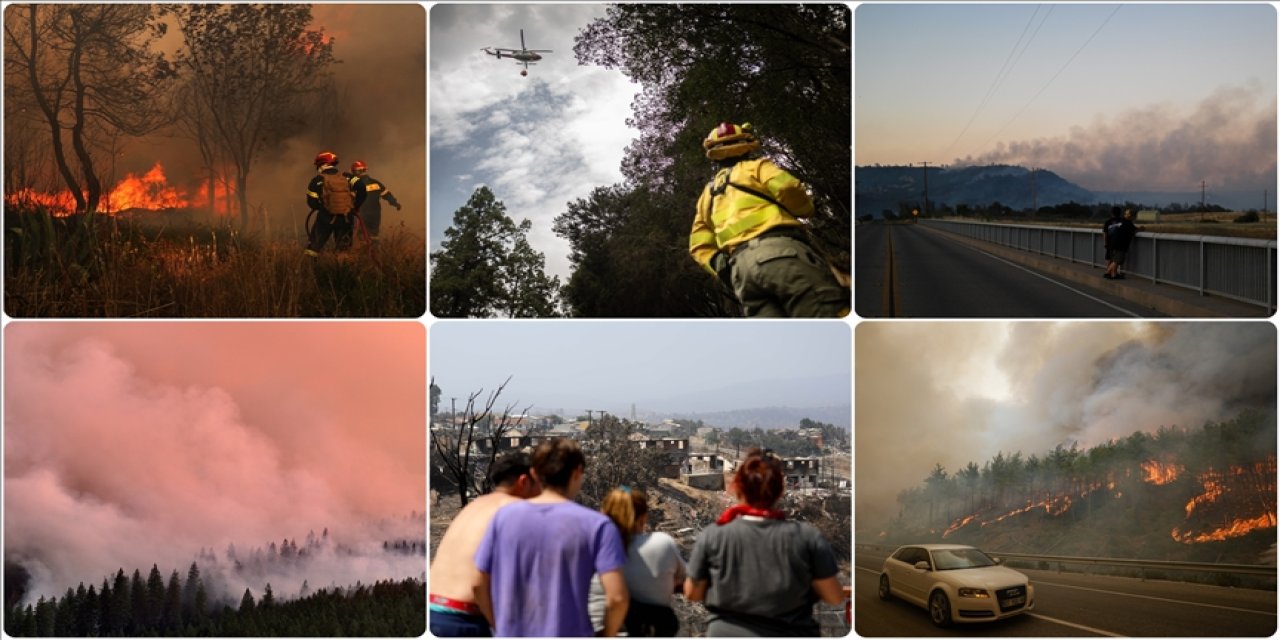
1228	140
128	445
381	119
952	393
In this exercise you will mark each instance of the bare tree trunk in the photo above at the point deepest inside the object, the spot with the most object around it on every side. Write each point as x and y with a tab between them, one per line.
50	111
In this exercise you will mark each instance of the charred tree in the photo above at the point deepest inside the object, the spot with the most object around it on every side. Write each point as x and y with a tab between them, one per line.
255	73
85	73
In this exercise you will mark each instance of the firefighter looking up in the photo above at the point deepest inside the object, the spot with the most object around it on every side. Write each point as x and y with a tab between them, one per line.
335	201
371	210
747	232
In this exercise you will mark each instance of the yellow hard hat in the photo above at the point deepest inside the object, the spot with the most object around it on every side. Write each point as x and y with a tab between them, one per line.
729	140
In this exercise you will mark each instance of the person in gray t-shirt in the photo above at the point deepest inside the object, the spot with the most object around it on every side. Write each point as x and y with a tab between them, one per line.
758	573
653	571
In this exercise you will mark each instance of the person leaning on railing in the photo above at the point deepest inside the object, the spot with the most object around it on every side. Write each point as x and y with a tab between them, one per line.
758	573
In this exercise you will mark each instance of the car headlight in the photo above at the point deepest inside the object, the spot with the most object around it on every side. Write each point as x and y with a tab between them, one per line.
966	592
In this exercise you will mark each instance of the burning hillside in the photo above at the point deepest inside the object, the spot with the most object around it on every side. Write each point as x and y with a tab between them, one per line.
1231	504
1174	490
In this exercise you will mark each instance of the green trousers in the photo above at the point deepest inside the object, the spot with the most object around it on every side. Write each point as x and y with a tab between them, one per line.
781	277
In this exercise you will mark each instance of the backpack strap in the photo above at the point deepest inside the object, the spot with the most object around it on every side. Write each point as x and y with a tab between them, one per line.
763	196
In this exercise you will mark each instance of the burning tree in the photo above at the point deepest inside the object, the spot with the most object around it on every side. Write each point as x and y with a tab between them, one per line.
87	74
252	74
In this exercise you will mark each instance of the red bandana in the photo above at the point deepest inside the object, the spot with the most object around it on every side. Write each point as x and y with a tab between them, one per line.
747	510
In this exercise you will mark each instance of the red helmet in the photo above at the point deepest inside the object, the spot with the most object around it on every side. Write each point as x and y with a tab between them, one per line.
326	157
359	165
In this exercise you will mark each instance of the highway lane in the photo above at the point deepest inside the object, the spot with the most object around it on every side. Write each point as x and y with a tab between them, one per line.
1069	604
909	271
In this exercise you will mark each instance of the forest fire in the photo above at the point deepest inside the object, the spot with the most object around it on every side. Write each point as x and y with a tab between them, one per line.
1159	473
1054	506
150	191
1225	495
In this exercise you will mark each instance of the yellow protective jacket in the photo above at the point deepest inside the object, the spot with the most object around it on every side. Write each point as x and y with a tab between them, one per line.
729	216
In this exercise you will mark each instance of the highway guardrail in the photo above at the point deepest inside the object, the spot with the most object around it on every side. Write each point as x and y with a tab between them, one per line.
1241	269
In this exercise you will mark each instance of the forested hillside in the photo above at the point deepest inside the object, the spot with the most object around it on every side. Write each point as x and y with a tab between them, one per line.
1180	494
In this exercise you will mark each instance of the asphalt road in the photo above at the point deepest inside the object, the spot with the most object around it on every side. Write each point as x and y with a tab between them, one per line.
1069	604
909	271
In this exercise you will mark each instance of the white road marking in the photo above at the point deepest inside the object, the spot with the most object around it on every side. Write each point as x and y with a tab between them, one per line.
1060	284
1135	595
871	571
1074	625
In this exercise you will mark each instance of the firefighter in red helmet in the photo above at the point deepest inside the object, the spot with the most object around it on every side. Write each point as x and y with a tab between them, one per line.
335	202
747	231
376	192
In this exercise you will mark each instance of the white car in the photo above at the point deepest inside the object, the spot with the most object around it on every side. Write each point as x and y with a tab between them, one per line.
956	583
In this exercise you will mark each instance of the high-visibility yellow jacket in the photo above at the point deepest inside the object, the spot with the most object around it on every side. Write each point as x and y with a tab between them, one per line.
729	216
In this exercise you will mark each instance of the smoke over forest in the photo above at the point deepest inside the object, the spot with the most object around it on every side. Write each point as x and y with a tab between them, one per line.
954	393
1228	140
133	445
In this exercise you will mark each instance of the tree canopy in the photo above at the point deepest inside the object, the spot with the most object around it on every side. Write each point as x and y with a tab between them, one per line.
486	268
784	68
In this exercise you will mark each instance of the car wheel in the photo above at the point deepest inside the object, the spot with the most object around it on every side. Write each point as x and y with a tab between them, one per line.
940	609
884	592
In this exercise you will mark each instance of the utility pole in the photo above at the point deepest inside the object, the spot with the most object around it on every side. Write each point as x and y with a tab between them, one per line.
1202	201
926	188
1033	191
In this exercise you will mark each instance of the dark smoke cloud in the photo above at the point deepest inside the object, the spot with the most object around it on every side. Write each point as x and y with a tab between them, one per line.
1228	140
952	393
381	82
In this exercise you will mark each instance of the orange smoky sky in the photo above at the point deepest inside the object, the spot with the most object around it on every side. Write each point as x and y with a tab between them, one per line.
127	444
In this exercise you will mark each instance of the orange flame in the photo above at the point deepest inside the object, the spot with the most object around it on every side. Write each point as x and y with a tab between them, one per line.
1235	481
1159	473
1237	528
151	191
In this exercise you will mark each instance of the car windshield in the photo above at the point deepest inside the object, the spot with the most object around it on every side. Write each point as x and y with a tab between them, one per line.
944	559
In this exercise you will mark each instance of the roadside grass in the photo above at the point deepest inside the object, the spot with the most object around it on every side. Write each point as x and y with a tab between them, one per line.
106	267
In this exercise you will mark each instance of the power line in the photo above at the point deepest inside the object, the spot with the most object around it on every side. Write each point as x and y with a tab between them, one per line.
1046	85
1005	70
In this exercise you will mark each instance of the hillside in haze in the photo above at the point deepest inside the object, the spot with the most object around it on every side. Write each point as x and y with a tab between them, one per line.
886	187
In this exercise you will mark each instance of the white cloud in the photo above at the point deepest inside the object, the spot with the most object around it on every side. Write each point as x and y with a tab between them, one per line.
539	141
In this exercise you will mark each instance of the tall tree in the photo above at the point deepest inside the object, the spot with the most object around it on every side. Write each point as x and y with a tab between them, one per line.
256	71
116	619
486	267
155	597
784	68
88	74
630	258
171	618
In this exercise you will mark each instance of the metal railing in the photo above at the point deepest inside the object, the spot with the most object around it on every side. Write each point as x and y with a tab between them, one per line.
1241	269
1161	565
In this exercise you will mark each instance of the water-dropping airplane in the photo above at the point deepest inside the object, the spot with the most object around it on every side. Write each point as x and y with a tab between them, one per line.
521	56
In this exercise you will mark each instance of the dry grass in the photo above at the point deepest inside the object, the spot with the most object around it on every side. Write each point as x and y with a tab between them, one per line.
93	268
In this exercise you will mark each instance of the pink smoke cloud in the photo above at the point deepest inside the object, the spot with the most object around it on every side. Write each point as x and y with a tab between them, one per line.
128	444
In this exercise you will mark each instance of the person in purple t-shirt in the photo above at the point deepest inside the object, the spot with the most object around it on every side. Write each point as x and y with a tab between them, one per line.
538	556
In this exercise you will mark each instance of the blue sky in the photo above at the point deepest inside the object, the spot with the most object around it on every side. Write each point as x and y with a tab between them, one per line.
1132	96
539	141
608	365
